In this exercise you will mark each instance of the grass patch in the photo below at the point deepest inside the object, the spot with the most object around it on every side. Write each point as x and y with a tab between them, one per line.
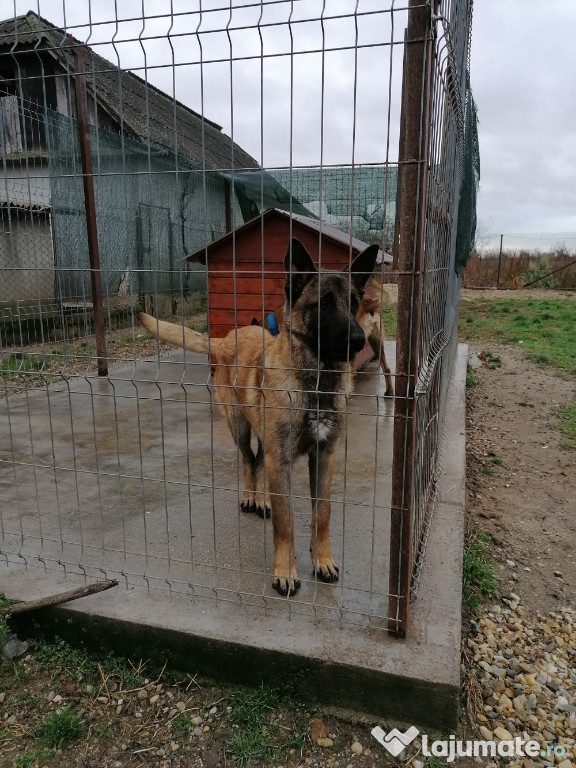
471	378
66	661
259	737
389	321
479	575
182	723
543	327
249	707
38	755
60	727
492	361
566	416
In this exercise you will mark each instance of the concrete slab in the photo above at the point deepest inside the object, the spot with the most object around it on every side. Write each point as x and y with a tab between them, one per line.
136	477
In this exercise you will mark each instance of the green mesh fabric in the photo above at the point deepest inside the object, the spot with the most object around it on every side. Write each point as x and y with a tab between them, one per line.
466	232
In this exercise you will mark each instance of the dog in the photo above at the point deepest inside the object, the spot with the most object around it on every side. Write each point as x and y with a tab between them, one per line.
369	318
288	392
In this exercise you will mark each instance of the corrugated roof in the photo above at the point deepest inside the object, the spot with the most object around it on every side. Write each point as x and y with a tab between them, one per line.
145	111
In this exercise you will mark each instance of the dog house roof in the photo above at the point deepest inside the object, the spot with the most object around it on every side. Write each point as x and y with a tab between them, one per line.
327	231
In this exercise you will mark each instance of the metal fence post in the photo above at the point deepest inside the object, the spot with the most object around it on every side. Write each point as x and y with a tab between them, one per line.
499	262
90	207
413	159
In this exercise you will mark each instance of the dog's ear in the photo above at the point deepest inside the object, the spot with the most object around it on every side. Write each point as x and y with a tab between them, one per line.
363	266
299	270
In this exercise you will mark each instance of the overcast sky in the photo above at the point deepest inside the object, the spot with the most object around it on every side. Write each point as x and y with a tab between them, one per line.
523	73
343	106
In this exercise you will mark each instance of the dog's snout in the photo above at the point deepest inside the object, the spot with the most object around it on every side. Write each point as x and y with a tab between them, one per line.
356	340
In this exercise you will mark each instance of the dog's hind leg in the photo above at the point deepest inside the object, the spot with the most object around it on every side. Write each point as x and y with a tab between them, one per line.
321	466
241	432
378	348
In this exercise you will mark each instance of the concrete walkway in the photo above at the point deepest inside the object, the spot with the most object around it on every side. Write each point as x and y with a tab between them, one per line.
136	477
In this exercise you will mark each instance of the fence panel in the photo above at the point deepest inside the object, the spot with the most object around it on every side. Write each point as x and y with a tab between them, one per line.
128	469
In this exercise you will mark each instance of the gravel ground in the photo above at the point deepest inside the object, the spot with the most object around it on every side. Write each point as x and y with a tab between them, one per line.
524	676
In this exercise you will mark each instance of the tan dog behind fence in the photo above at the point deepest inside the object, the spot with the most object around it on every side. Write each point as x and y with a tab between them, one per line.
288	392
369	318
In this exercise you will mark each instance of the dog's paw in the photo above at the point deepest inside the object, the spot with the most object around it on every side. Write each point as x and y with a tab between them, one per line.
262	511
248	507
326	571
286	586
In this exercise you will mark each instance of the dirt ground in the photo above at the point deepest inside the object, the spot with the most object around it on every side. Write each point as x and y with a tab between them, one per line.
527	500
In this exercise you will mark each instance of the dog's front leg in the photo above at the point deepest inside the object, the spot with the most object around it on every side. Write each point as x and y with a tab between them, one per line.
321	465
277	475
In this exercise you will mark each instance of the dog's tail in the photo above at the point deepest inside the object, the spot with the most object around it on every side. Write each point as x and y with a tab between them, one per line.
175	334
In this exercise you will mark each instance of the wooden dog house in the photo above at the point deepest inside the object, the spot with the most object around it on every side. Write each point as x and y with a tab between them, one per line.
246	267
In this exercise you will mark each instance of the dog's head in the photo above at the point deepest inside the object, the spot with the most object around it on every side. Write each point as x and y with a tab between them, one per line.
321	306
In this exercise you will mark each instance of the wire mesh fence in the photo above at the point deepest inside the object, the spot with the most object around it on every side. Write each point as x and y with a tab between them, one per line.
134	473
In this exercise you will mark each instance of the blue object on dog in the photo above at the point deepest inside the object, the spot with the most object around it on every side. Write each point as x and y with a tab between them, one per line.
272	327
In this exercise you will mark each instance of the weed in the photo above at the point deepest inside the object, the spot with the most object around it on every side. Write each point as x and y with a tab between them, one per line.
114	666
525	404
247	746
183	723
496	460
479	576
487	470
471	380
103	731
250	706
492	361
566	416
34	756
61	726
257	736
65	661
389	322
430	761
21	674
20	362
79	665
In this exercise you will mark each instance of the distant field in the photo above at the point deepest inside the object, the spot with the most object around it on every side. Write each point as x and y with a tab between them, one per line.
555	270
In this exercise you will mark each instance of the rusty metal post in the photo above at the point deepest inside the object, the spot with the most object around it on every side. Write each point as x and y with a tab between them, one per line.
90	208
413	158
499	262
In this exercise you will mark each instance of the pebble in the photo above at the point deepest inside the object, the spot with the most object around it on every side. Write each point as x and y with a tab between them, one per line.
325	742
527	678
356	748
